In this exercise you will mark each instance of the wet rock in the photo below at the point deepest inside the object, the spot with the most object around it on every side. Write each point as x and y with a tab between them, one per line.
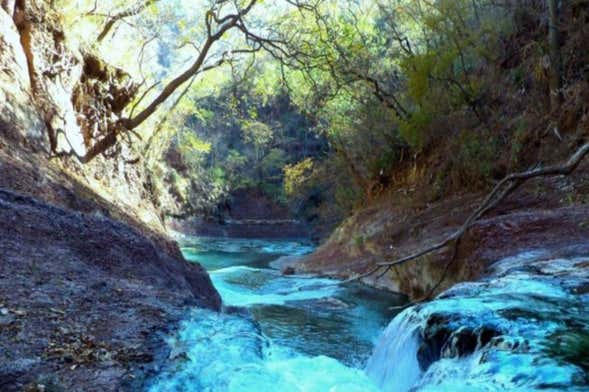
581	289
288	271
522	327
433	338
238	311
285	261
331	303
465	341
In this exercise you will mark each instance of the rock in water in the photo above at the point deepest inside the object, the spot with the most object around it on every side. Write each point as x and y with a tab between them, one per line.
288	271
510	330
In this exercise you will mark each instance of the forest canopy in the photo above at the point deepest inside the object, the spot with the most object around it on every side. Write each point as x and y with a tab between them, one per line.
324	99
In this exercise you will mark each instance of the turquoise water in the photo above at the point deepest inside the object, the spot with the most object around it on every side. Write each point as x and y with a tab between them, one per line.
302	333
534	309
522	327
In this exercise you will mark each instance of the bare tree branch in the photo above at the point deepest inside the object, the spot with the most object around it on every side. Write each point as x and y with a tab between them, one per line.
503	188
229	22
112	20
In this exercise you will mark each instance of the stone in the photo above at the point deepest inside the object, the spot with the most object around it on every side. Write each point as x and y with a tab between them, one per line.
288	270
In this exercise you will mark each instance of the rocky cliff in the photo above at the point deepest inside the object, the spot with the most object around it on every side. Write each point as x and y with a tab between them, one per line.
84	299
58	103
88	278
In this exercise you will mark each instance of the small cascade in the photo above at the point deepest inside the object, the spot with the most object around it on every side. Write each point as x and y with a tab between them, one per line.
523	328
220	352
394	366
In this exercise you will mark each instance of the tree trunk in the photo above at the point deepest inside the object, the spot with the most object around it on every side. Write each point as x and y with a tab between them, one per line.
555	76
359	180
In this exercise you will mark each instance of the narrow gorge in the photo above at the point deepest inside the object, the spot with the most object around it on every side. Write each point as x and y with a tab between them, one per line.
305	196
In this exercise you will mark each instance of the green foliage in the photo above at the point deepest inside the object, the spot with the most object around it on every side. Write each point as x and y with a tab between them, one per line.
235	162
296	175
414	129
189	143
418	70
240	138
273	163
179	186
347	196
363	97
256	133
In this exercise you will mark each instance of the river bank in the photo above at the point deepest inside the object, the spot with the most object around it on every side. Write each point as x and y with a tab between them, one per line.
84	299
537	216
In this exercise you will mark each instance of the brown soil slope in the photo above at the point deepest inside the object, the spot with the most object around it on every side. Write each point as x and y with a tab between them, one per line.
545	214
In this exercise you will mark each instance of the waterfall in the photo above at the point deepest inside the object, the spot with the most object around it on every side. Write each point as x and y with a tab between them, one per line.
521	327
393	365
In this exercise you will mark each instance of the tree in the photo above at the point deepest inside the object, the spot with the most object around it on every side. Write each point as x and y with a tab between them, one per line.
555	54
219	19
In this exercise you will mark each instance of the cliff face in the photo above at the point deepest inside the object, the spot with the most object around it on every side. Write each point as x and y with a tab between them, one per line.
19	121
88	278
76	95
83	298
59	102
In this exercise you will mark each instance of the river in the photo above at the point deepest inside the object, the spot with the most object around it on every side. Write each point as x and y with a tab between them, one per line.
302	333
522	327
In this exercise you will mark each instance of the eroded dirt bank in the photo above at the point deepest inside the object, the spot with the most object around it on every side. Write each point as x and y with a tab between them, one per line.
545	214
84	299
248	213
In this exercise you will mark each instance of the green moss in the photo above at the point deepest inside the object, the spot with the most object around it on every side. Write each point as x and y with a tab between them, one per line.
572	347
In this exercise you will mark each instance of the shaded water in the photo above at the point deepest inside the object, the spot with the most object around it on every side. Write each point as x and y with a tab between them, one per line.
303	333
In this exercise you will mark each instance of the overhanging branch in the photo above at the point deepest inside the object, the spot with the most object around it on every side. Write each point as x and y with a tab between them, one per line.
503	188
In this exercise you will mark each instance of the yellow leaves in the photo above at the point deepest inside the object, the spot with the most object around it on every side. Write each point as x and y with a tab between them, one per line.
296	174
153	9
190	143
